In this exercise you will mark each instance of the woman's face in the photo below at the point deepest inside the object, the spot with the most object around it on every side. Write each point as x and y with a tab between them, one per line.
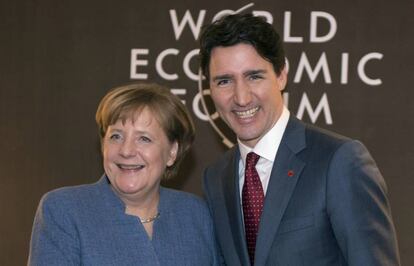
135	155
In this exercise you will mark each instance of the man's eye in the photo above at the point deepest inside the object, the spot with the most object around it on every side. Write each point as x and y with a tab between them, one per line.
255	77
223	82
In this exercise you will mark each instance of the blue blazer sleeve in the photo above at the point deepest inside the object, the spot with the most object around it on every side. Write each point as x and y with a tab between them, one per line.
54	239
358	208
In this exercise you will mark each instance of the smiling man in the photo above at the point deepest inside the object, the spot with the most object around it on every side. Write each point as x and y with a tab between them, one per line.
288	193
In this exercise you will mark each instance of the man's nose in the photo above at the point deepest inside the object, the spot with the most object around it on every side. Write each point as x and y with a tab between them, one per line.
242	94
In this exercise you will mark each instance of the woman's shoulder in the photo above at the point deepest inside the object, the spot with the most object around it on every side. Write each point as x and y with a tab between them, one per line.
184	208
182	200
70	191
179	195
70	195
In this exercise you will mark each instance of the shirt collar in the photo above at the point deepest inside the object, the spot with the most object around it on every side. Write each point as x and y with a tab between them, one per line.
268	145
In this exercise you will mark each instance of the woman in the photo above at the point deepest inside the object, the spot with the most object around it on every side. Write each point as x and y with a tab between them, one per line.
127	218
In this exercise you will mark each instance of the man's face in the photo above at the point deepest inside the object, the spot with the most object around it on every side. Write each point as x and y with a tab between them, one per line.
246	91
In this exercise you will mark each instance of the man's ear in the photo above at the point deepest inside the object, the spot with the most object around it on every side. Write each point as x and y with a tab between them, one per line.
282	78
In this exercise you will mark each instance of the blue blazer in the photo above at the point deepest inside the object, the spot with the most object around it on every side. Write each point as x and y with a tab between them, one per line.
333	210
87	225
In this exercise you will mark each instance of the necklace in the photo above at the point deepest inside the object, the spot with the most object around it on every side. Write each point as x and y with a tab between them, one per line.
150	219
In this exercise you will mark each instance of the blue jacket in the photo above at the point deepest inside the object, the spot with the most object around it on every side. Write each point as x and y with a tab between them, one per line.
87	225
326	204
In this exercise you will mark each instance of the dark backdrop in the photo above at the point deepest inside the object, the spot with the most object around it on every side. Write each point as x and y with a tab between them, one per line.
350	71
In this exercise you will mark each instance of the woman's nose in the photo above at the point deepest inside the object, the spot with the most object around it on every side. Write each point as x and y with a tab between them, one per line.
127	149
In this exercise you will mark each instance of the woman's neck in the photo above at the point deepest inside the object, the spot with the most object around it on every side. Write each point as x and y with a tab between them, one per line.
143	207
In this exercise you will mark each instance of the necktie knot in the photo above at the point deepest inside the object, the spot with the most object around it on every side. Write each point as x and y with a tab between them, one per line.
251	160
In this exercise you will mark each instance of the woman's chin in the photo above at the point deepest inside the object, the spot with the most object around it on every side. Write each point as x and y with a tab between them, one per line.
129	186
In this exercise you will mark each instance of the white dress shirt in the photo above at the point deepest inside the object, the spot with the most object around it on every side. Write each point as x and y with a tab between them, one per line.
266	148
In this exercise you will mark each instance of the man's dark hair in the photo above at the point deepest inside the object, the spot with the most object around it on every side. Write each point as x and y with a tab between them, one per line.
242	28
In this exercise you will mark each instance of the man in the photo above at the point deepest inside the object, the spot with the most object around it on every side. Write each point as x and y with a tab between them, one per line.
288	193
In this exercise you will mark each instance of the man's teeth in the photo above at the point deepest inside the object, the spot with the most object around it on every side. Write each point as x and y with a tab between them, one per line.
130	167
247	113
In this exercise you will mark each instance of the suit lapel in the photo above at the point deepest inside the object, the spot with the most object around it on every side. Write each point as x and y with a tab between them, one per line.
285	174
232	199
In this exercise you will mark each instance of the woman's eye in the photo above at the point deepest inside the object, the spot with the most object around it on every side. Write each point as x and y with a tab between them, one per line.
115	137
145	139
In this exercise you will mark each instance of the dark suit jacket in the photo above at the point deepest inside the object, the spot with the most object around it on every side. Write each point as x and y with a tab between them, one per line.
333	210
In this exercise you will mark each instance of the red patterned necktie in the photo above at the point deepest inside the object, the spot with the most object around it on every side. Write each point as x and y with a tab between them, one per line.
252	199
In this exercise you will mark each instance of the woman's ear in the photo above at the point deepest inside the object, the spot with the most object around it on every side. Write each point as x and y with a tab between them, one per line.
173	154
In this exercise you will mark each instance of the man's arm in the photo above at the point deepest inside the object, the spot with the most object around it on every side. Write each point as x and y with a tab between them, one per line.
359	209
208	200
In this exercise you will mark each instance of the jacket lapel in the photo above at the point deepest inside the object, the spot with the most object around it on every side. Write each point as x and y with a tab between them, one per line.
285	174
232	199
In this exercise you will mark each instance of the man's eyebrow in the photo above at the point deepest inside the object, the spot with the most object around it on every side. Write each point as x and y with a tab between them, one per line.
255	72
221	77
247	73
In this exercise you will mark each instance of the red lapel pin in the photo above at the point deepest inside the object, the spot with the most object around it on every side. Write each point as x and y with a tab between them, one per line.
290	173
